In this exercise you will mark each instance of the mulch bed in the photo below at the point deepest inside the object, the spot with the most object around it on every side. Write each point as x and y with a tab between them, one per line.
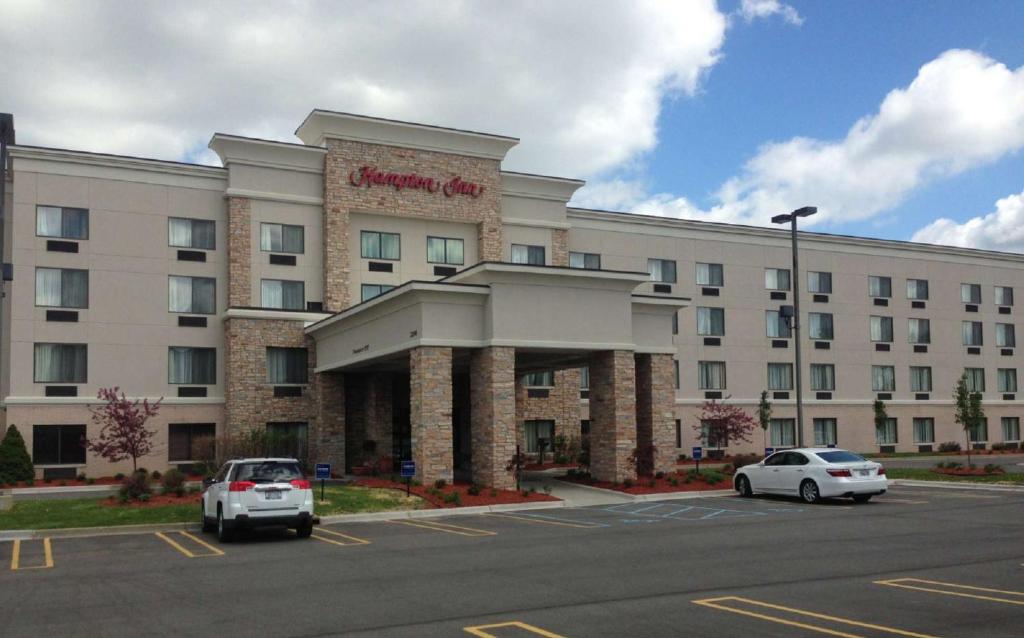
644	485
106	480
969	471
462	489
533	467
156	500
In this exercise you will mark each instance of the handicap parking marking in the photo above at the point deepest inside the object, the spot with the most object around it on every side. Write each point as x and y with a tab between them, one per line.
189	539
16	556
736	604
545	519
445	527
332	538
673	511
485	631
956	589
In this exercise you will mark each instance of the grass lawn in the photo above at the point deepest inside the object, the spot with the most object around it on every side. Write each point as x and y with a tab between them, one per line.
63	513
924	474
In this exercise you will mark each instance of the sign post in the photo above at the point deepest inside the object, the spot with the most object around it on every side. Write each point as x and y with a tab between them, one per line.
698	453
408	471
323	472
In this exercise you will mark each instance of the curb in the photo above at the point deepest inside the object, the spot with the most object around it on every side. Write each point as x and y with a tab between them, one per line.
681	496
600	490
85	532
956	485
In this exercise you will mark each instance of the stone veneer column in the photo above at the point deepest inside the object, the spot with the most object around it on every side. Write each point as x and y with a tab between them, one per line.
655	408
560	247
239	252
378	414
430	412
329	433
565	398
493	415
612	415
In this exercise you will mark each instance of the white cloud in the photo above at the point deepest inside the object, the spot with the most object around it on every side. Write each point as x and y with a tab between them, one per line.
1002	229
963	110
581	85
754	9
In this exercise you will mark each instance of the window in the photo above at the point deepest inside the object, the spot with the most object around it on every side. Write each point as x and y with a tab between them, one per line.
282	238
584	380
879	286
679	433
782	432
776	278
191	233
676	363
590	261
60	363
917	289
288	439
978	433
523	254
445	250
286	295
972	333
970	293
919	331
711	375
820	325
369	291
195	295
65	223
713	439
710	275
376	245
62	288
887	434
920	379
881	329
545	379
675	323
825	432
780	376
711	321
823	377
776	326
287	365
191	441
819	282
662	270
883	379
975	379
1006	379
1004	296
1011	428
58	444
196	366
537	431
924	430
1005	335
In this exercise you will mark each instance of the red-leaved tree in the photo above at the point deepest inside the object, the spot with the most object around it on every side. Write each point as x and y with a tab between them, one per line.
123	434
725	423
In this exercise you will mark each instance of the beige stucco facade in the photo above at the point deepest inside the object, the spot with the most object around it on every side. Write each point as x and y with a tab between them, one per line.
444	183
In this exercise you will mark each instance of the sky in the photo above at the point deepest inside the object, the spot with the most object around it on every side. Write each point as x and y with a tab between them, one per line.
899	120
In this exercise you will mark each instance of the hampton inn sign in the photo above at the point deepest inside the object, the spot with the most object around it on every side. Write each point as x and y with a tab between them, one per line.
369	176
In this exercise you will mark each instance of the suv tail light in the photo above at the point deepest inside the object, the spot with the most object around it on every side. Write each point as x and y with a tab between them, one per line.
300	484
240	486
881	471
840	473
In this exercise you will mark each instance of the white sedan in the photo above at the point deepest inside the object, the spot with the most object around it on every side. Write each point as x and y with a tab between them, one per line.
813	474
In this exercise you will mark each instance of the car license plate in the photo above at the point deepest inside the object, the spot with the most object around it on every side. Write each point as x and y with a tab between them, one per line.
273	495
863	472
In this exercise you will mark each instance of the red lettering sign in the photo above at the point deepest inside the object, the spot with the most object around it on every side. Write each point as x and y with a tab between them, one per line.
369	176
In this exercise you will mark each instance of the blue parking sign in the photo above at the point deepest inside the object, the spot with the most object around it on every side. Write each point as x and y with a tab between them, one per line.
408	469
768	451
698	453
323	471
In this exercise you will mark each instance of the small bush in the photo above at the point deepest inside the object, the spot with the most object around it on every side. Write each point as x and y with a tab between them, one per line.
15	463
173	482
949	446
682	457
713	477
728	469
119	476
474	490
494	492
144	497
134	486
90	481
740	460
526	493
547	490
673	481
142	470
194	489
81	476
659	474
627	483
156	475
454	498
47	480
572	473
992	468
440	483
652	483
63	483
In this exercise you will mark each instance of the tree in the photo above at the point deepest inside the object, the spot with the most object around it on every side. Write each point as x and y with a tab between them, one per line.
724	423
123	433
969	413
15	463
881	418
764	415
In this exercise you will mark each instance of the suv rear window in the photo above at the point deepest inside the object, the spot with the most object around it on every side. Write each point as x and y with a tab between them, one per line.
267	472
840	457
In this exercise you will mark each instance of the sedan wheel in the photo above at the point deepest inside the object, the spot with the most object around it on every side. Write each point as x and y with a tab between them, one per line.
809	491
743	486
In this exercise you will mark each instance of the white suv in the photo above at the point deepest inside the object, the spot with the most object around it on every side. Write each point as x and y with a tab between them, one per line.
248	493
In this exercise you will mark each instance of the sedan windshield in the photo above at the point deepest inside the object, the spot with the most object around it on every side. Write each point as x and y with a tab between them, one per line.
840	456
268	472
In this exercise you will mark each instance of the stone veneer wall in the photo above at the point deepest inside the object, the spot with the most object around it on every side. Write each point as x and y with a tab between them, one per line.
430	413
378	415
342	198
327	432
655	408
562	406
239	252
612	415
492	413
560	247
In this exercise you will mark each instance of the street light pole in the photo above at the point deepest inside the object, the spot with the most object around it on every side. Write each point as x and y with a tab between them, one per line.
806	211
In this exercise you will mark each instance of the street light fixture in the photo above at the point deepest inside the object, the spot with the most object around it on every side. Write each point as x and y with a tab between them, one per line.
791	218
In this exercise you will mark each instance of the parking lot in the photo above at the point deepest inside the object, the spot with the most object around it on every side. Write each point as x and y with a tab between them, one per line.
915	562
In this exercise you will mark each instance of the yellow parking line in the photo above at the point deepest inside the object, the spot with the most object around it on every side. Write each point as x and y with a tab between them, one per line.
352	539
447	527
479	630
188	553
902	582
715	603
545	521
16	556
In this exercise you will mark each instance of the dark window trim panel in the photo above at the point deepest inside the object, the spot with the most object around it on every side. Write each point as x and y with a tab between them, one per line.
970	308
885	396
777	296
1006	352
780	343
62	315
822	345
444	271
314	306
191	322
282	260
60	246
713	394
920	348
882	347
287	390
709	292
60	473
881	302
381	266
662	288
823	395
61	391
1009	397
191	255
191	391
821	298
924	448
921	396
973	350
887	449
538	393
1004	310
712	341
780	395
917	304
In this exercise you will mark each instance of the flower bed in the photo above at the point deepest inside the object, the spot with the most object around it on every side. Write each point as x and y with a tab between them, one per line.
155	500
105	480
534	467
969	471
674	482
437	496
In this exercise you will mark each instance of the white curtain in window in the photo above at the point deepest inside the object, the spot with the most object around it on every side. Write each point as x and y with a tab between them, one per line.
1007	379
886	435
585	378
823	377
1004	296
776	279
435	250
293	295
179	362
825	432
918	331
1011	428
48	221
917	289
48	286
924	430
881	329
390	246
204	296
293	239
1005	335
975	379
709	274
286	365
782	432
972	333
711	321
883	378
711	375
180	290
920	379
74	288
970	293
455	251
271	294
270	237
819	282
820	325
74	223
60	363
520	254
780	376
179	232
879	286
369	245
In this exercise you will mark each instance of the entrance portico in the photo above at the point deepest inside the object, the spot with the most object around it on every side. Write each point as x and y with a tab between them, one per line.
462	342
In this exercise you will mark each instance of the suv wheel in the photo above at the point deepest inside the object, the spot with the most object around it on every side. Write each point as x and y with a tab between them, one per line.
304	530
224	534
